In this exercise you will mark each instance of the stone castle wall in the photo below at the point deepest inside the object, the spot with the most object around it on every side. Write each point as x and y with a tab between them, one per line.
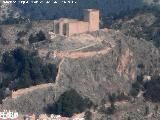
77	27
65	26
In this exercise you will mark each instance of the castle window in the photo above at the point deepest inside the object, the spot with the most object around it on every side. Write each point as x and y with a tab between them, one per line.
64	29
57	28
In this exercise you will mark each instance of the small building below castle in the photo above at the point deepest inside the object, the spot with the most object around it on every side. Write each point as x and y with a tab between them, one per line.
68	27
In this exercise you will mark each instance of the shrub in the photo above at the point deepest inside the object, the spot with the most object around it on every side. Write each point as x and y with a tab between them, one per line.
21	34
152	89
40	36
137	86
1	95
69	102
88	115
111	109
8	62
112	97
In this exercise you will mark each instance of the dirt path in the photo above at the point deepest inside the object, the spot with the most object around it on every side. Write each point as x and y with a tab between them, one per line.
21	92
79	54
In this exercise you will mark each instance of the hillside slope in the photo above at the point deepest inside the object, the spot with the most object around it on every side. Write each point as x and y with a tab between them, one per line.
144	24
95	75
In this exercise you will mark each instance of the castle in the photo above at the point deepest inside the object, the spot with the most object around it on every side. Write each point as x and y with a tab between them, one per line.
68	27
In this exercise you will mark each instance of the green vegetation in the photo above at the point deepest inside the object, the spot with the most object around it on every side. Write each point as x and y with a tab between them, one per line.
146	110
138	28
137	86
21	34
69	102
135	89
119	96
40	36
88	115
27	69
153	32
112	99
1	95
3	41
111	109
12	20
24	69
152	89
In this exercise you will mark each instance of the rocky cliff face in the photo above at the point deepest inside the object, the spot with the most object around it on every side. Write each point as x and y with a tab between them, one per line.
112	67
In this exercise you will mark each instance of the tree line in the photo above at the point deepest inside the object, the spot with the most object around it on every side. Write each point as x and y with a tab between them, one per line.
23	68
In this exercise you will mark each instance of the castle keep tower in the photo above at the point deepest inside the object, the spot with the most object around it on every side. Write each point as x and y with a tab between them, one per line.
92	17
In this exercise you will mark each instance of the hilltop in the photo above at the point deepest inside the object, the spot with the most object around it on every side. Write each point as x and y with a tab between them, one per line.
113	72
95	65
